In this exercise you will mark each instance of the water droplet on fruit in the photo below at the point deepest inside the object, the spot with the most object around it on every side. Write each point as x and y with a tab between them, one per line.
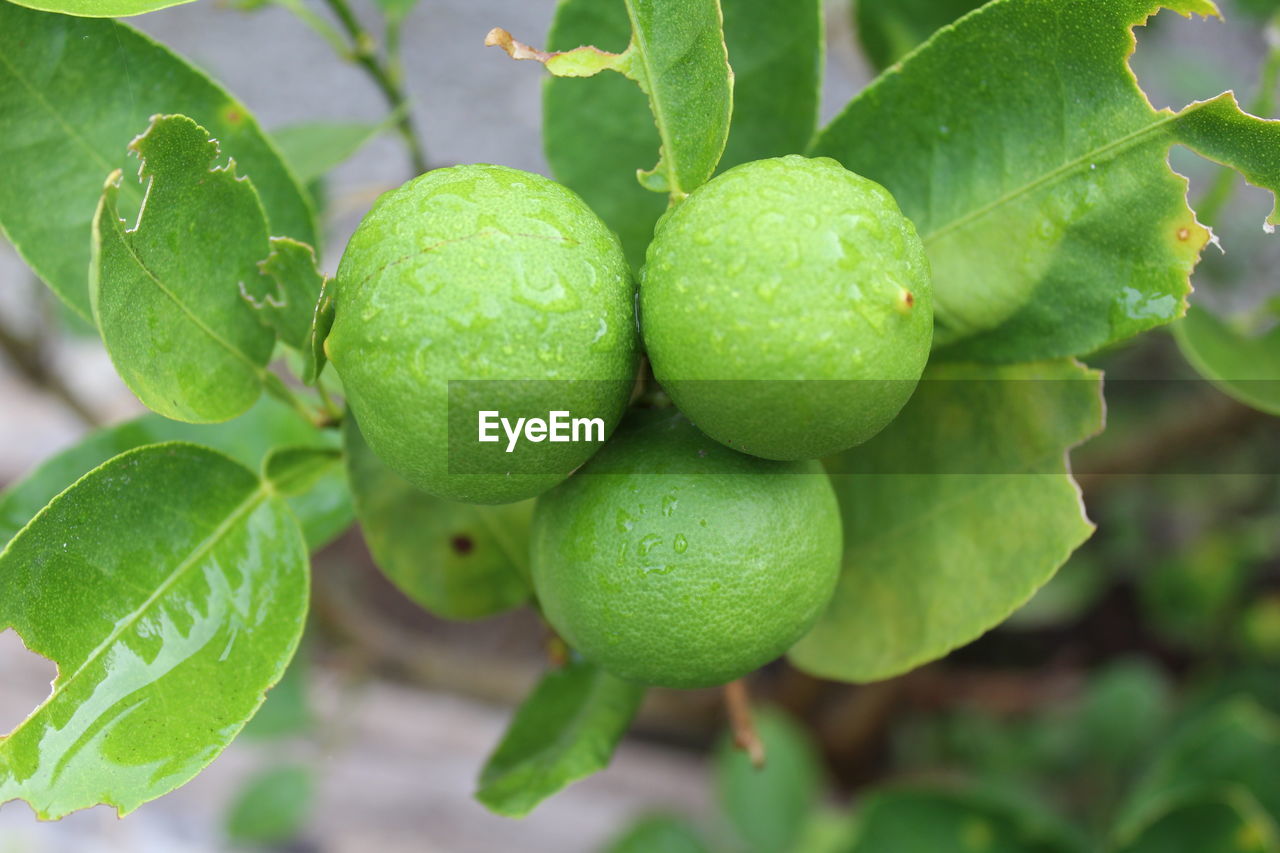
625	521
680	544
669	504
648	543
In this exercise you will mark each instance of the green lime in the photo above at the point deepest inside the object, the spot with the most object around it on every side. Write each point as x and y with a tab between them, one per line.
672	560
482	288
787	308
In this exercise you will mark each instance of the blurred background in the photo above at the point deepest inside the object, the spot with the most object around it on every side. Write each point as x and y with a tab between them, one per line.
1156	649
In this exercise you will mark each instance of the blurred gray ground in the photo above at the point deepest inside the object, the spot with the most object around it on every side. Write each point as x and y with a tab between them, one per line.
398	765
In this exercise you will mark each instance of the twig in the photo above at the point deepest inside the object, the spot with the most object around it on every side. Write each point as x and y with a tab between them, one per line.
365	54
25	356
738	704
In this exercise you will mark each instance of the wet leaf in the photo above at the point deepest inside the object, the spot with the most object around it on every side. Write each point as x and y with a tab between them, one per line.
324	512
169	586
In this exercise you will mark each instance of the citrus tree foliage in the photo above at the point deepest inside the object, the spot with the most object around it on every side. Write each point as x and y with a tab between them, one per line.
162	563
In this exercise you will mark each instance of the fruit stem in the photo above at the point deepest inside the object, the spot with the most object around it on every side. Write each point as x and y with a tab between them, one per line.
363	51
738	704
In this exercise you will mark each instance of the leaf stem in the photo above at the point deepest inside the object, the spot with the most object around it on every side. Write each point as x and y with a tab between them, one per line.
738	704
364	52
275	386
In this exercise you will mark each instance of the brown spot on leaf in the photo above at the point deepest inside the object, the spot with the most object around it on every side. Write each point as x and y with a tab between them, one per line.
462	544
1184	233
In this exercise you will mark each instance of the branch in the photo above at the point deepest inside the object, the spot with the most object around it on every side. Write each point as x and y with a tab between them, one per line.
738	704
365	54
24	354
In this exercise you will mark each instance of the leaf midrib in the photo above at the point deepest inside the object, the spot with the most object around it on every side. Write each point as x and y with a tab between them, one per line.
1163	118
668	153
242	510
123	235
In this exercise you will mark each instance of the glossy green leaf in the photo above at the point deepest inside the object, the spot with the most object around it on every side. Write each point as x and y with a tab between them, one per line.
954	515
659	834
566	730
315	148
597	131
1245	366
890	29
169	586
770	806
1036	172
325	511
1235	745
460	561
1229	821
173	294
290	308
273	806
73	92
936	820
100	8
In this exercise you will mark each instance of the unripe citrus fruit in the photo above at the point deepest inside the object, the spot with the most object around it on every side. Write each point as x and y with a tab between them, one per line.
482	273
787	308
672	560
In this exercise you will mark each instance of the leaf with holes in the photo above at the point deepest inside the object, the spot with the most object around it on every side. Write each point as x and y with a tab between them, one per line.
173	295
566	730
1036	172
73	92
954	515
459	561
169	586
290	308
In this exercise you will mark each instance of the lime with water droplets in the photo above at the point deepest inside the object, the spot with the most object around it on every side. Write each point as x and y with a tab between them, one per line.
787	308
672	560
482	288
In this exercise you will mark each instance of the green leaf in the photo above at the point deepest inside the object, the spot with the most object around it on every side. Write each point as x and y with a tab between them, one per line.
459	561
173	295
100	8
769	806
169	586
1036	172
315	148
1229	820
566	730
776	51
324	512
659	834
1235	745
929	820
287	711
291	308
273	806
1247	367
294	471
890	29
954	515
315	356
73	92
681	63
598	130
